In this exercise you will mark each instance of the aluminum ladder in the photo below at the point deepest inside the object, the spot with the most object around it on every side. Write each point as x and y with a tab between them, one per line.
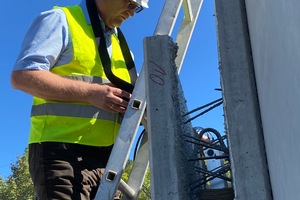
135	113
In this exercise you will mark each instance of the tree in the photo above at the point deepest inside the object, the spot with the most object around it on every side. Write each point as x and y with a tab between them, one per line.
18	185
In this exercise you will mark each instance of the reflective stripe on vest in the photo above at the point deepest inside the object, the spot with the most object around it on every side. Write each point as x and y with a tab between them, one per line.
71	110
79	122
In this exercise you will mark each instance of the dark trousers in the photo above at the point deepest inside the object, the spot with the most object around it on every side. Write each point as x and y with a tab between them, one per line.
66	171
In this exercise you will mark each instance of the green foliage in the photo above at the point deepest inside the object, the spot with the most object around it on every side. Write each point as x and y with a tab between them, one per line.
18	186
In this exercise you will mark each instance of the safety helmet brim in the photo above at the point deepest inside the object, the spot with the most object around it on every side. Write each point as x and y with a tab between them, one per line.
143	3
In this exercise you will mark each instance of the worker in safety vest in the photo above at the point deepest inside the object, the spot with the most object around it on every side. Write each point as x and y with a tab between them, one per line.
76	63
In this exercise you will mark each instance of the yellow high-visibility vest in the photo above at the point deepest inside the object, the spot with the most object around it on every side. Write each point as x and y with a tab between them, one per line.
79	122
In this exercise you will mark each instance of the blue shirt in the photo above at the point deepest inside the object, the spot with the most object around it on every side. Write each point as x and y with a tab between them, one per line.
48	42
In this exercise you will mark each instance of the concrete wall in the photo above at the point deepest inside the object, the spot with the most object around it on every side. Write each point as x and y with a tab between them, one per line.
171	172
240	102
274	27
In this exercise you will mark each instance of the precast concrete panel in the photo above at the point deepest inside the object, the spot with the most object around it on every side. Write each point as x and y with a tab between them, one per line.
274	27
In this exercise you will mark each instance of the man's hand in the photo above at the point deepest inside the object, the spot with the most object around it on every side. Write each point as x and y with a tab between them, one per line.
109	97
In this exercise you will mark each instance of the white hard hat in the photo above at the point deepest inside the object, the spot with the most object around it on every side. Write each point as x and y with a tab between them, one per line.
143	3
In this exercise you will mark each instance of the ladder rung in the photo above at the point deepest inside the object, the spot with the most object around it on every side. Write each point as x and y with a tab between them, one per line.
126	189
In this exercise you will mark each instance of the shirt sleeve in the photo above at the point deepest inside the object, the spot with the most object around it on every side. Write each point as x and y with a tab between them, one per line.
45	41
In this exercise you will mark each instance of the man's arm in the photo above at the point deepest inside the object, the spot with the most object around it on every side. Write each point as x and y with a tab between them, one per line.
44	84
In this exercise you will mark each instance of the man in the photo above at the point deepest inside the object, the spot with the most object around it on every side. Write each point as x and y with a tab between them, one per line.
77	65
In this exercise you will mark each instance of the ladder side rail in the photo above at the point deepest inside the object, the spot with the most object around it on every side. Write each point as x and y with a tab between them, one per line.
186	30
139	169
121	150
187	9
168	17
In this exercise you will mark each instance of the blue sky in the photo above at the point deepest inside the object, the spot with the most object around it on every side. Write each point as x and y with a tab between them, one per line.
199	74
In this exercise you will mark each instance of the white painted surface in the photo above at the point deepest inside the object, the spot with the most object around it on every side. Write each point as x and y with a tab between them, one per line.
274	27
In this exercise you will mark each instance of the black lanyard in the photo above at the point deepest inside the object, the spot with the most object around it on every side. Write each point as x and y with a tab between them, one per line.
102	49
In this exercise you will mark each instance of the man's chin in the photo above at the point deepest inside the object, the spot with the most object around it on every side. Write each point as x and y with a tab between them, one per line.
118	22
